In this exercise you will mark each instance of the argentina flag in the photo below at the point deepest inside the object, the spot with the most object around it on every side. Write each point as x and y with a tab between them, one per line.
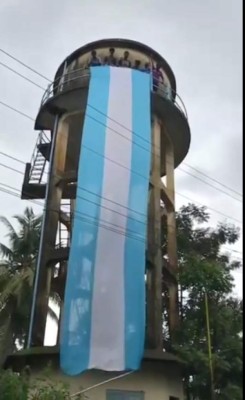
103	321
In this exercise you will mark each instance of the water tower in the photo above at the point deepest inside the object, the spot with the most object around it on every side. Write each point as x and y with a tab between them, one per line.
94	122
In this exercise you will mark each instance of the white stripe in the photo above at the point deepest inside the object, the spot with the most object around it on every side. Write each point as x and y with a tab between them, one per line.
107	349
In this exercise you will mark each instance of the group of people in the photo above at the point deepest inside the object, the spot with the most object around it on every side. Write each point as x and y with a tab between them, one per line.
112	60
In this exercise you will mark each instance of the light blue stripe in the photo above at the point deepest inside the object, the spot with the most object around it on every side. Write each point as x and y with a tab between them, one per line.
76	324
138	200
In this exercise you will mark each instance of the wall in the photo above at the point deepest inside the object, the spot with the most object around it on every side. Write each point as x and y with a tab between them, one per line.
158	380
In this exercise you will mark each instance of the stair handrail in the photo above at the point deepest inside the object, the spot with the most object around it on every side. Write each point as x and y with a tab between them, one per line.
41	139
34	152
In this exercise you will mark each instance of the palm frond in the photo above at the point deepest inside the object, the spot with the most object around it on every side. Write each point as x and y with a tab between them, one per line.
6	340
6	251
12	235
55	297
3	267
17	271
28	219
52	314
8	225
17	287
8	292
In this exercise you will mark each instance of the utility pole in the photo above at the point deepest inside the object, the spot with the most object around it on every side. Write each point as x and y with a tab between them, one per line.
212	394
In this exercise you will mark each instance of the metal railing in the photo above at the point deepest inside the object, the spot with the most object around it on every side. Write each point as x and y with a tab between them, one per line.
41	139
82	77
38	161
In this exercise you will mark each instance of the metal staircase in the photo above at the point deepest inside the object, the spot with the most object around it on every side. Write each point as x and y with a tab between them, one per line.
38	161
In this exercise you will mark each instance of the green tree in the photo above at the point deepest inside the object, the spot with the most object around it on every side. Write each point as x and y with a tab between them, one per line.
17	269
204	268
21	386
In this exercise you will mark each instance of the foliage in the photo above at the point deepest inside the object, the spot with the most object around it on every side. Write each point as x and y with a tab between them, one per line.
21	387
205	268
17	269
13	386
44	389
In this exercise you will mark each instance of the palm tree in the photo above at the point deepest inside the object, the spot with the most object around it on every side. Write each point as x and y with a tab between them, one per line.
16	279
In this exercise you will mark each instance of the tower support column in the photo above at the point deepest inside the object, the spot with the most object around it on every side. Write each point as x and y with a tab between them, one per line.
171	264
48	234
157	266
154	272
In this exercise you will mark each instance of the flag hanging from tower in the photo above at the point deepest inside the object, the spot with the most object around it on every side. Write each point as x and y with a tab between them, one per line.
103	323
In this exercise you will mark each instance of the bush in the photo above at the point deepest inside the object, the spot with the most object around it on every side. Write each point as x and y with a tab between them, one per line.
46	390
15	386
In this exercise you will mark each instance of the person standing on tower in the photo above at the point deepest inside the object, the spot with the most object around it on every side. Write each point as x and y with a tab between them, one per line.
111	59
147	68
94	61
137	64
124	61
157	77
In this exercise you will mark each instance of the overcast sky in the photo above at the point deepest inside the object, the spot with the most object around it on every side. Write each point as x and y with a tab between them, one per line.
201	40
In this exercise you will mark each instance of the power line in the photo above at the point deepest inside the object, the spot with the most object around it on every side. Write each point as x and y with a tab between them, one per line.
98	223
78	187
17	111
94	194
107	208
3	190
25	65
212	209
135	143
195	169
148	142
121	164
22	76
12	158
129	209
209	184
12	169
180	194
19	192
234	251
213	179
91	220
90	192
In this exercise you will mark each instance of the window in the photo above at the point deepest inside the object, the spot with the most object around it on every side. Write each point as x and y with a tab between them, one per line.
124	395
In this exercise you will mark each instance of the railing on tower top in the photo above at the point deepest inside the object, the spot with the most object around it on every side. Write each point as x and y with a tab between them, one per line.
63	83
